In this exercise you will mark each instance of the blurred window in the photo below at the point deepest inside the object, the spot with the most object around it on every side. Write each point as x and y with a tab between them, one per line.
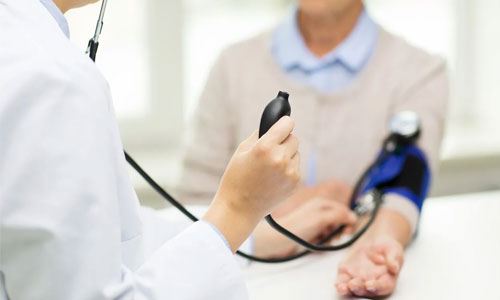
123	57
464	32
157	54
140	55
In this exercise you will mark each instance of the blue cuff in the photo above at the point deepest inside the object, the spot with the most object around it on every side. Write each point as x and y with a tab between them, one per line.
406	173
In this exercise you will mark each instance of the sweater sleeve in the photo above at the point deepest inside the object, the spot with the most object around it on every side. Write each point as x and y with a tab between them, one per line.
427	95
210	140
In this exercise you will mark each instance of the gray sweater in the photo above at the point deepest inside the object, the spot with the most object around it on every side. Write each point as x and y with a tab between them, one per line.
345	128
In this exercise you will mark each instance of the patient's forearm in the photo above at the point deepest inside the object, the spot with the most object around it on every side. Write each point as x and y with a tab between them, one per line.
388	223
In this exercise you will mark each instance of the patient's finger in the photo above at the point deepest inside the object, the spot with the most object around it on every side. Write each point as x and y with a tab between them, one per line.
343	277
394	258
393	255
357	286
340	215
377	257
373	273
382	286
348	230
341	284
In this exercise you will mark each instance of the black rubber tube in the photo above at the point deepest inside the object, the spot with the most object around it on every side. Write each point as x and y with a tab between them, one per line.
275	225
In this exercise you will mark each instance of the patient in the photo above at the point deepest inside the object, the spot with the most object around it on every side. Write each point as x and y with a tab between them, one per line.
346	76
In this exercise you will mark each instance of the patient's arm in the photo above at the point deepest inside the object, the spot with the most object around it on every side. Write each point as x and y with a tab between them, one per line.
372	265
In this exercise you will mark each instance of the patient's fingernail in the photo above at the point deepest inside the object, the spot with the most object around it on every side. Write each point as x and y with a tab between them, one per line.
395	265
342	288
356	290
370	286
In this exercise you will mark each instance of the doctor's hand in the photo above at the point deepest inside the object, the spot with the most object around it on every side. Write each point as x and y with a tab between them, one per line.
261	174
312	221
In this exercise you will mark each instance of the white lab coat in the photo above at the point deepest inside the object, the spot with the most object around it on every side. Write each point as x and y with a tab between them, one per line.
70	223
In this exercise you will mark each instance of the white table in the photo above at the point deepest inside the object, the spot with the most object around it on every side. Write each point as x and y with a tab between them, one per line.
456	256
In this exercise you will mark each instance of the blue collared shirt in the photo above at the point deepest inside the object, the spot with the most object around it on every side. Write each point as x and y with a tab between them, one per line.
330	73
57	15
333	71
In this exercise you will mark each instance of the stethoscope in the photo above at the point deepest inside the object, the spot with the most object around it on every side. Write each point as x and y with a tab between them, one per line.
404	129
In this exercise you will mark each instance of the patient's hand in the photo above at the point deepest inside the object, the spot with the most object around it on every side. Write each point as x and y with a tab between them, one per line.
371	268
312	221
334	189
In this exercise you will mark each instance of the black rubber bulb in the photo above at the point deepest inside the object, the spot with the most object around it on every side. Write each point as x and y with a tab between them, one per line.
277	108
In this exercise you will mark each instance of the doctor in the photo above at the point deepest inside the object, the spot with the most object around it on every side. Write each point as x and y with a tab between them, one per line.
70	223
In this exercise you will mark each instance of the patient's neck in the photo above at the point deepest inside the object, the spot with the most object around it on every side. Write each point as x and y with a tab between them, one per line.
323	32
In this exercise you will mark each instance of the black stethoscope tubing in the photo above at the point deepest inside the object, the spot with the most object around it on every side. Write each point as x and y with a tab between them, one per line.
311	248
92	51
356	193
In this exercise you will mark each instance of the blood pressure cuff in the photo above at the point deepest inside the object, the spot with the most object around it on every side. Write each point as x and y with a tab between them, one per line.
405	173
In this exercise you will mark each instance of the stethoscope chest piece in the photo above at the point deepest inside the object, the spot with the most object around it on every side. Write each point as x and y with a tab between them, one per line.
404	129
406	124
365	204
